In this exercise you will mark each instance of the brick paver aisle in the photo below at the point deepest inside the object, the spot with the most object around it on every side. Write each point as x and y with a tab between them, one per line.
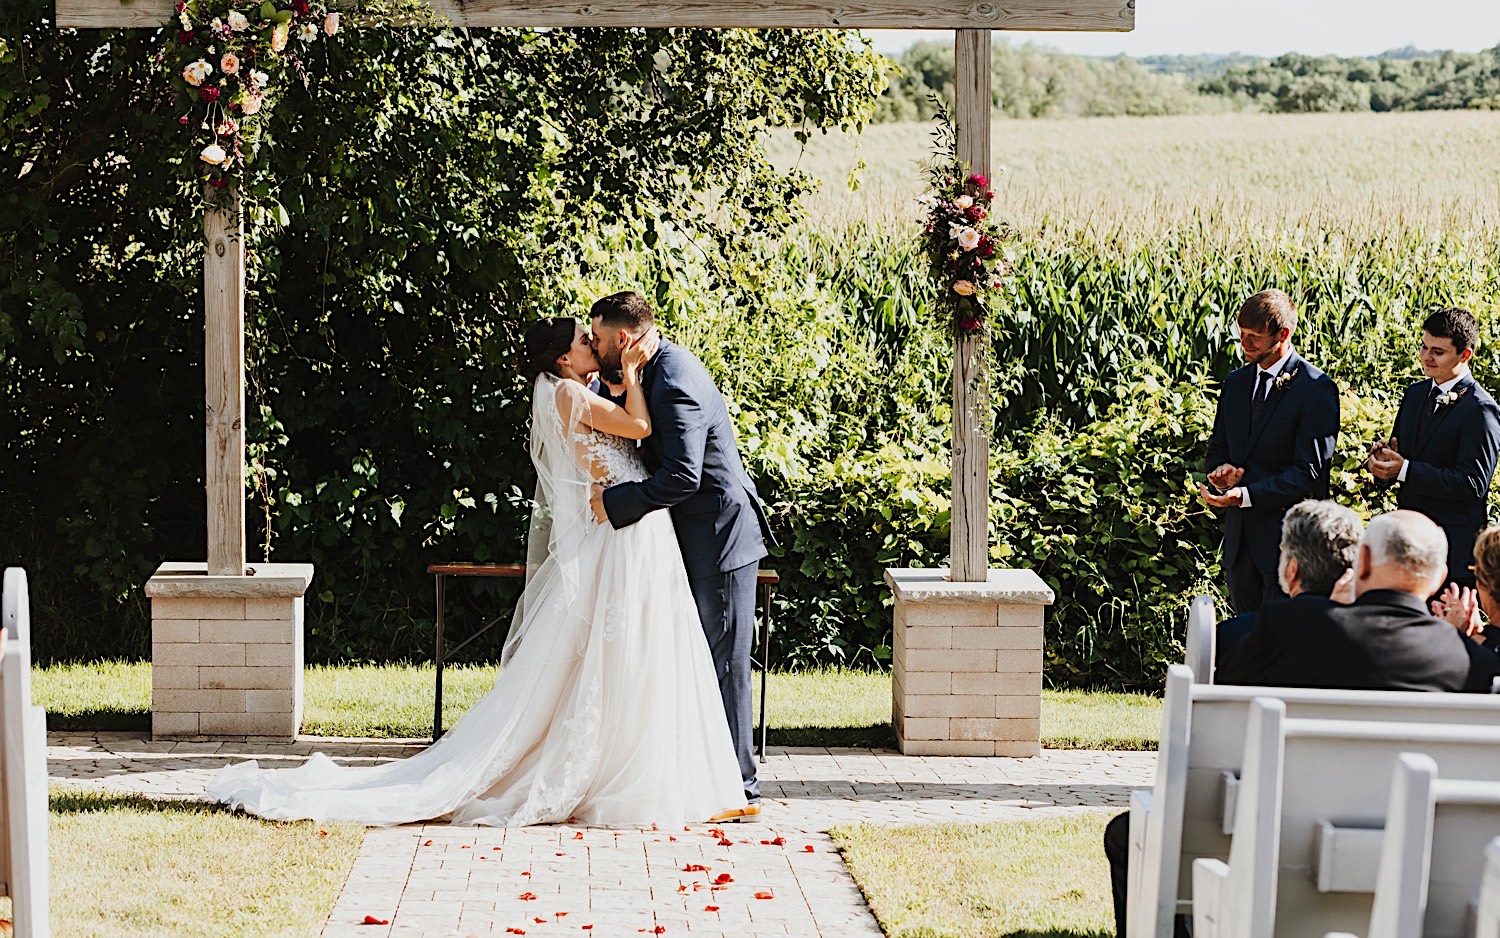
436	880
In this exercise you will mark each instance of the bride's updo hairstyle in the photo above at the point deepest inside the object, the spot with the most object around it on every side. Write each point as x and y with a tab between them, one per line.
546	341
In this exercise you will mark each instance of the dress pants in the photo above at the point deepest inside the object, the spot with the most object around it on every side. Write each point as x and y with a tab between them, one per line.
1249	587
1117	849
726	607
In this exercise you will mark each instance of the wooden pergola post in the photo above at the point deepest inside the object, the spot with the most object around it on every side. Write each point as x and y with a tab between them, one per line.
969	543
224	387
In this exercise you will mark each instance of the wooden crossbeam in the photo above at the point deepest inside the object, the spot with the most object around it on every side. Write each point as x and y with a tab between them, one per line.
1051	15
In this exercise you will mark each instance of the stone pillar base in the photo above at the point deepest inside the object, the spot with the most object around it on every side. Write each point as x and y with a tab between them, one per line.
966	668
226	651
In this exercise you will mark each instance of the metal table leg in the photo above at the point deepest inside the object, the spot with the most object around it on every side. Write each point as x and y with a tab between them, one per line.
765	660
437	660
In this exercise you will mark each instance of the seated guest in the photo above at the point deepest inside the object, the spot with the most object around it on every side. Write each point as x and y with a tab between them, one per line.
1462	606
1387	639
1319	541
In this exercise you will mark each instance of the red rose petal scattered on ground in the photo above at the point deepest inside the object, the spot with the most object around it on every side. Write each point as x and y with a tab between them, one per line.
726	842
528	896
427	843
322	833
765	895
515	931
525	872
494	848
372	920
540	921
710	908
695	868
723	878
672	838
779	841
809	849
559	854
464	847
716	888
697	886
682	887
586	927
558	914
578	835
716	832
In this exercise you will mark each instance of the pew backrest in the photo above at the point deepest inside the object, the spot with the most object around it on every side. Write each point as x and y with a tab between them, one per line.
1202	638
23	769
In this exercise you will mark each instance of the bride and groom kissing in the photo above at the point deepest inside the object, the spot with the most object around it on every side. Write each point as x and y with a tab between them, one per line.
623	698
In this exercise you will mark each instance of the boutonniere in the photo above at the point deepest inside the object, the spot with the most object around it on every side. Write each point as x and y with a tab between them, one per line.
1284	379
1449	398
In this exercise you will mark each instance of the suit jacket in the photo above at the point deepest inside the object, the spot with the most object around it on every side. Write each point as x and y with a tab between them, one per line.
696	469
1286	456
1229	635
1451	465
1384	640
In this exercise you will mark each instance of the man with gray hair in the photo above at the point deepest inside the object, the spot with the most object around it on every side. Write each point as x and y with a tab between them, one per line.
1319	543
1385	640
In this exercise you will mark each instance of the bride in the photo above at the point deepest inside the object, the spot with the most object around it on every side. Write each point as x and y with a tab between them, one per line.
606	710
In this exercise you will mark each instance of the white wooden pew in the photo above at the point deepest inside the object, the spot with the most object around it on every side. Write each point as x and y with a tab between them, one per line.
1437	829
1310	823
1487	921
1202	639
1184	815
23	769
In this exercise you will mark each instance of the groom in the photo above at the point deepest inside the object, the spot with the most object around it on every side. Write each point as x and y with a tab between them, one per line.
697	474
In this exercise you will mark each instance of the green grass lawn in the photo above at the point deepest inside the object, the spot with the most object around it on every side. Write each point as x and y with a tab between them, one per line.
1046	878
822	707
126	865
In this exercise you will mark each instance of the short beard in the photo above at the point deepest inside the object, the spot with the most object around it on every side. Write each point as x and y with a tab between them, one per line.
611	375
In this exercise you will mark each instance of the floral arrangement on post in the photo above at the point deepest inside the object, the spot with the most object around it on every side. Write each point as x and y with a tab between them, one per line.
962	238
228	58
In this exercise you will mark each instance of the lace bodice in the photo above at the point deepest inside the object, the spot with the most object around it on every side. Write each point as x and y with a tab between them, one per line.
608	459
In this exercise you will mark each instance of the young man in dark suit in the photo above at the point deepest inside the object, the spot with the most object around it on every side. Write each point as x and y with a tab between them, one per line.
1385	640
697	474
1271	447
1443	448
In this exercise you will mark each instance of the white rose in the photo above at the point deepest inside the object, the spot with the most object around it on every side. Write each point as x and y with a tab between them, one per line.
964	201
213	154
968	239
258	79
237	21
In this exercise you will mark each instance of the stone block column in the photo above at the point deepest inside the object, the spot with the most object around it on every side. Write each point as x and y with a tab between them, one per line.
226	651
966	668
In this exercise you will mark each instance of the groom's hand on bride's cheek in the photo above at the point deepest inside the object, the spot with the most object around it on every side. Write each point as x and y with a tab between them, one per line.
596	502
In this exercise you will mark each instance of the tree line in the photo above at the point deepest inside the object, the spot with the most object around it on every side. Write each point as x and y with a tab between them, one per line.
1033	81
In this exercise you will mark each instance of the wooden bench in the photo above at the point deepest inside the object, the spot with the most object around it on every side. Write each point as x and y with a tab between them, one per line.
765	581
1189	812
23	769
1311	818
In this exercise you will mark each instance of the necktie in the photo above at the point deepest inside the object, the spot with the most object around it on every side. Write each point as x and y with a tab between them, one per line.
1262	391
1427	411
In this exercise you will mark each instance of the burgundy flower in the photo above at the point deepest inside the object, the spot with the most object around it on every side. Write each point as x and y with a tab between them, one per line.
209	94
181	6
300	7
183	119
970	323
974	213
989	194
218	182
186	36
985	248
976	179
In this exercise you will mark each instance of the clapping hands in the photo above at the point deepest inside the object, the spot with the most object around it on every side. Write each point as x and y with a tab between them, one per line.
1385	461
1217	492
1460	606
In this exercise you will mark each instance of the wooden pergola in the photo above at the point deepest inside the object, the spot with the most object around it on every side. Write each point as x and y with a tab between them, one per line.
224	257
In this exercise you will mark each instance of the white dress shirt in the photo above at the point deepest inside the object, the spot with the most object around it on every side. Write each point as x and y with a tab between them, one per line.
1443	388
1271	373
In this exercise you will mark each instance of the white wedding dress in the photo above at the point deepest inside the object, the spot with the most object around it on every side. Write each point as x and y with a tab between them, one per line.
606	710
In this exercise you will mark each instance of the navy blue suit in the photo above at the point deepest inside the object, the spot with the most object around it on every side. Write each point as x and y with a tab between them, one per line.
1286	455
697	474
1450	465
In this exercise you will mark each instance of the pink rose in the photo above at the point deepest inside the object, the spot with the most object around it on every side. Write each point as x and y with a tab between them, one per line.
963	288
331	23
974	213
977	179
989	194
229	64
278	38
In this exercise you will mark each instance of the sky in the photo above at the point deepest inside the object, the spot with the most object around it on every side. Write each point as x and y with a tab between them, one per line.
1267	27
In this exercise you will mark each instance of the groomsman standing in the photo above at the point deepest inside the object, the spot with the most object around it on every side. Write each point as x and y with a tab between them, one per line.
1271	447
1443	447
